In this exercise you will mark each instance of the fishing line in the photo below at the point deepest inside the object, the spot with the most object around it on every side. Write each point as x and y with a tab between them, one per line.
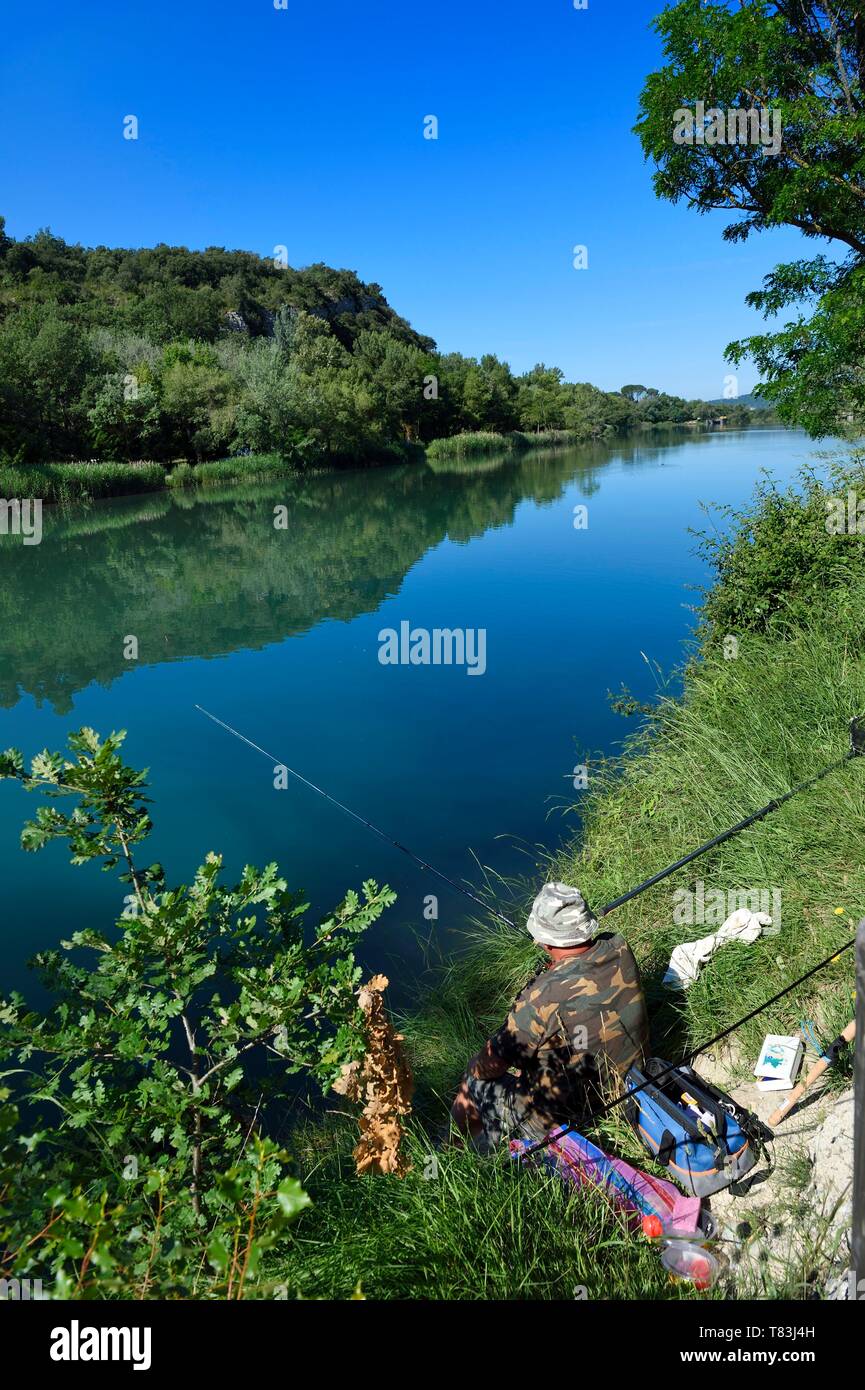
857	749
277	762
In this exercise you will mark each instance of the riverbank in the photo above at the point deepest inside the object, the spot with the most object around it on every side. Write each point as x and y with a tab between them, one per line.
480	443
94	480
67	483
754	717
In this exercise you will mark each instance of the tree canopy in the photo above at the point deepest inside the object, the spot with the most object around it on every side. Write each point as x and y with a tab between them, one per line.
801	67
165	353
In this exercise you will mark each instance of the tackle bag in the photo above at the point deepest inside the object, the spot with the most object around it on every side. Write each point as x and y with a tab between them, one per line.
697	1132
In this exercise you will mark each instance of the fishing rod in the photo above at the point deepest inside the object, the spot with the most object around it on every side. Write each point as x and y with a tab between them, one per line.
430	868
856	750
764	1132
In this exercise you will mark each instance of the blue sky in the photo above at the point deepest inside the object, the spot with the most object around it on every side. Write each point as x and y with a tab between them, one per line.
304	127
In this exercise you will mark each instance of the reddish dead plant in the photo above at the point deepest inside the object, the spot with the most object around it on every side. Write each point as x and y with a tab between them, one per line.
382	1083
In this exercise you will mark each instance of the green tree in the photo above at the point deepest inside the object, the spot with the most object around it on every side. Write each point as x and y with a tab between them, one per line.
450	415
331	406
490	396
540	399
126	418
661	409
591	413
48	376
198	399
268	410
392	374
802	65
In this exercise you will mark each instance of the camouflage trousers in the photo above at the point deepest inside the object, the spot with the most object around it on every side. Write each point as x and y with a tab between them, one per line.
504	1111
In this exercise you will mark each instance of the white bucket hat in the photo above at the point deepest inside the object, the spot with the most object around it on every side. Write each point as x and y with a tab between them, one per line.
560	917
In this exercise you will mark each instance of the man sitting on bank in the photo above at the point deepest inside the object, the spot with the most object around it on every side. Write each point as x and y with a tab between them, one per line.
581	1021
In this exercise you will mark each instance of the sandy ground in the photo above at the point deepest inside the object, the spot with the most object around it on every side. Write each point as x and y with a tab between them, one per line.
785	1232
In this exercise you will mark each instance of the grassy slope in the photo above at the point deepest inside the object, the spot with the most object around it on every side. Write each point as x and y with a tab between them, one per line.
744	731
456	1228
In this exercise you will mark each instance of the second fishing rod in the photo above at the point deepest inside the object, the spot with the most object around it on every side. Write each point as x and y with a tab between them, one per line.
855	749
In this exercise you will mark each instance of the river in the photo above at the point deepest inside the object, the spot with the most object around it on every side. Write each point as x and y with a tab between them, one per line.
276	629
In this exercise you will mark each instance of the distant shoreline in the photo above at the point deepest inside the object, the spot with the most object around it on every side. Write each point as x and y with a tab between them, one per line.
95	481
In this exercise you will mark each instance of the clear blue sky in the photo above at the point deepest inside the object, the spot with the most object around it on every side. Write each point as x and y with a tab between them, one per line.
303	127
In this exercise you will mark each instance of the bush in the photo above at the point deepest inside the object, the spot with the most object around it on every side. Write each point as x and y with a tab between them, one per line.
144	1171
779	557
181	475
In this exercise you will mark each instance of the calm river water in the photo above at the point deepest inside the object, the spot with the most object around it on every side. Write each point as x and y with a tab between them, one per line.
277	632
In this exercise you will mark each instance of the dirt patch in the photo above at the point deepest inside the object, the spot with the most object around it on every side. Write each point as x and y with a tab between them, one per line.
784	1233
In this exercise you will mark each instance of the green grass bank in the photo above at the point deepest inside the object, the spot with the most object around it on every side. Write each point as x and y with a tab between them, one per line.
93	481
477	444
751	720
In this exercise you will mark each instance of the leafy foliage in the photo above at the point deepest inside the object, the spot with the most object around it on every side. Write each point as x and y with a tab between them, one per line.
778	555
803	65
169	354
157	1063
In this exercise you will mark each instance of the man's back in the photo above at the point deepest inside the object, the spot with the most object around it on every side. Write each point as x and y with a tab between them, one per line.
583	1017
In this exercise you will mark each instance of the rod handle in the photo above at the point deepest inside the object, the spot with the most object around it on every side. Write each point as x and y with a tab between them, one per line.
816	1071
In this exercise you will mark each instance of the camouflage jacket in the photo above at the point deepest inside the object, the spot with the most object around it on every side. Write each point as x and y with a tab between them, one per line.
579	1021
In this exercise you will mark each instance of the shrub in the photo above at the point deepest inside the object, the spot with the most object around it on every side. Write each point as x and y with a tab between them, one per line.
181	475
153	1177
778	555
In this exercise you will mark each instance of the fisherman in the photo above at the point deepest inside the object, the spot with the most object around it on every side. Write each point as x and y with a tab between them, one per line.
577	1026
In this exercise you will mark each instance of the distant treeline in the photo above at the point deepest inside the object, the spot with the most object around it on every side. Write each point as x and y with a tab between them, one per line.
166	353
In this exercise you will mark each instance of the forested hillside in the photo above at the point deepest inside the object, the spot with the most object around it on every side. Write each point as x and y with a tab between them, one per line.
165	353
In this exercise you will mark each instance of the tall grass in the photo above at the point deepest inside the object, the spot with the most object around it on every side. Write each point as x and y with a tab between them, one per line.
79	482
459	1229
553	439
86	482
744	731
473	445
247	468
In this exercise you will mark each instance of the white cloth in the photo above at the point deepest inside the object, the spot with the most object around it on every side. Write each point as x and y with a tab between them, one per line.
685	962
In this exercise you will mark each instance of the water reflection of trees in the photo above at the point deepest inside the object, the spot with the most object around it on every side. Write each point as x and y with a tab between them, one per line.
203	574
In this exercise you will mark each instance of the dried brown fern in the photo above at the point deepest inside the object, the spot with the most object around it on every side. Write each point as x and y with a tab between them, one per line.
382	1083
